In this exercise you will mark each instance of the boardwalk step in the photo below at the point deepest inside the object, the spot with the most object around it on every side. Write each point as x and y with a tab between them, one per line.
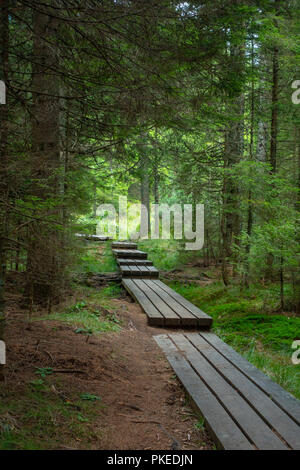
124	245
140	271
95	238
143	262
132	254
161	307
243	409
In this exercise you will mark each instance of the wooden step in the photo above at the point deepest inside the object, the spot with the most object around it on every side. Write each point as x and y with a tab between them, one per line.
132	254
239	412
95	238
139	271
124	245
161	307
143	262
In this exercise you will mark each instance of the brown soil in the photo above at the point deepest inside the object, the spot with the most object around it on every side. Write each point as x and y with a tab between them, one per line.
144	405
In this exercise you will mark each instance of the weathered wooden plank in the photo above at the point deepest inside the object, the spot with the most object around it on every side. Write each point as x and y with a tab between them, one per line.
203	317
221	426
137	271
149	271
96	238
171	318
154	316
144	262
154	271
187	318
257	431
133	254
143	270
126	245
125	270
262	404
280	396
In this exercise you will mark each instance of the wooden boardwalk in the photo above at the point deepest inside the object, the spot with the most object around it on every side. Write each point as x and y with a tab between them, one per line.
132	254
243	409
139	271
163	306
124	245
142	262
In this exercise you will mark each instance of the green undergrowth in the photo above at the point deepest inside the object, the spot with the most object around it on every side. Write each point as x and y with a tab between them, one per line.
245	319
47	419
95	257
165	254
92	313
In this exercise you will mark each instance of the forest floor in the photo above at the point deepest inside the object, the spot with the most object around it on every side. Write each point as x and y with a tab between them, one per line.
71	386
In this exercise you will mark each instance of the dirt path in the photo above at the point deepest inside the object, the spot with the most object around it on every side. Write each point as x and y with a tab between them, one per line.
142	405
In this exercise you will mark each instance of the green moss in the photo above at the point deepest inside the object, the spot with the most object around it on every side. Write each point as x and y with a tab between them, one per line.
41	418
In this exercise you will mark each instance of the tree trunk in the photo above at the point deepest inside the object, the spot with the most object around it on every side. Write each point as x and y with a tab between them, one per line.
274	130
251	151
234	137
274	117
145	193
297	206
4	42
43	263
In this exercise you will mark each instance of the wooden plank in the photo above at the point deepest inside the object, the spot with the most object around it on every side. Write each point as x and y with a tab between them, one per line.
187	318
129	253
125	270
171	318
281	397
136	271
222	428
257	431
155	318
149	272
262	404
153	271
95	238
143	262
126	245
203	317
143	270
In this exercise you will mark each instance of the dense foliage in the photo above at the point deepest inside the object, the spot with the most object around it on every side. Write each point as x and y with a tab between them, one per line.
160	101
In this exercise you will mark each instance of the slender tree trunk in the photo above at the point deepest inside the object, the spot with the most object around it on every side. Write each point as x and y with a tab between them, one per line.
274	129
156	180
296	277
44	263
4	42
281	285
274	117
145	191
250	207
234	137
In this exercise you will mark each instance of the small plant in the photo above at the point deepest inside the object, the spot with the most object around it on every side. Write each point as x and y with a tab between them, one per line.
200	424
82	419
37	384
44	371
84	331
113	318
89	397
77	308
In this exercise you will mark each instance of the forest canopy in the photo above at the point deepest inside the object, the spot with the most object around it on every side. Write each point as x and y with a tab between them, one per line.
164	102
